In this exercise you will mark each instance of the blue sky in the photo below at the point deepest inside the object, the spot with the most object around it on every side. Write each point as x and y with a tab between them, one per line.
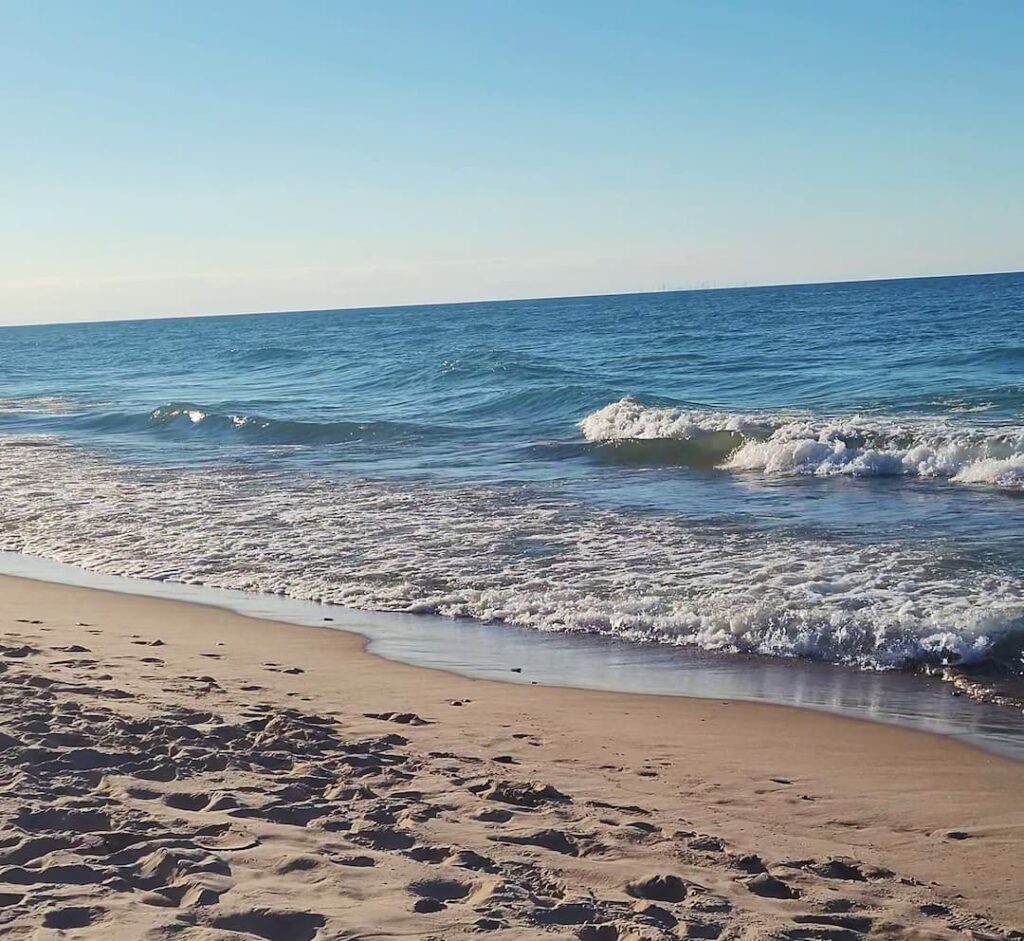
195	157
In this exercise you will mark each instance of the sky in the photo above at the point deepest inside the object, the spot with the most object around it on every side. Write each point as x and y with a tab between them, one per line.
180	157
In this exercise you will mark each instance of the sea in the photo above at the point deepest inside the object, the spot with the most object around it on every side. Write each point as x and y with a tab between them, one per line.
830	473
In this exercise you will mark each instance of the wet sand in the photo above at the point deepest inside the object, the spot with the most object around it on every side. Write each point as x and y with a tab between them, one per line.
172	770
484	650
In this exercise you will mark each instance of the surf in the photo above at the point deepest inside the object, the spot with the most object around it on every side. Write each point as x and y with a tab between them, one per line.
802	444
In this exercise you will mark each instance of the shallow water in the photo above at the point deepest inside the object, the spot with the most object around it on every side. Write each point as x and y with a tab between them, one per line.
831	472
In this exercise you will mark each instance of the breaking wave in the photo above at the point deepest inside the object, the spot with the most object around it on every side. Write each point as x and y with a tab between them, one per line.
187	418
771	443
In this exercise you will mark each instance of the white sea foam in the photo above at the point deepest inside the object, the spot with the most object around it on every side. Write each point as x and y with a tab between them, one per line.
39	405
860	446
629	419
500	554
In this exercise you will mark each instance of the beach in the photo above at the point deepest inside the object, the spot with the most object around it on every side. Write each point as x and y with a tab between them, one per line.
530	471
183	771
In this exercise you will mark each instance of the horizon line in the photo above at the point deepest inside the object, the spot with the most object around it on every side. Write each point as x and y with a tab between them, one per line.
510	300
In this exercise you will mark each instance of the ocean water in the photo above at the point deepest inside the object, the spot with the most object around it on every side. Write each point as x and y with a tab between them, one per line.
832	472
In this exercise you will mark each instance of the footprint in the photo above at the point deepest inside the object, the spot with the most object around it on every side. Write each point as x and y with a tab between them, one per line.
530	794
468	859
402	718
271	924
768	886
356	860
566	913
601	933
379	836
429	854
297	863
661	887
427	906
858	923
558	841
622	808
493	815
70	917
441	890
706	844
184	801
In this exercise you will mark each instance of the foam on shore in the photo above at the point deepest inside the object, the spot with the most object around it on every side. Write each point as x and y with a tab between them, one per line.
499	554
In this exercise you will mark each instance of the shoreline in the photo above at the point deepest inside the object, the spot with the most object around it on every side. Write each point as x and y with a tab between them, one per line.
716	782
488	651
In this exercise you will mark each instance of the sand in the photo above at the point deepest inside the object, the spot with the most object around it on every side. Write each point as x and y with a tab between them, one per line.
171	770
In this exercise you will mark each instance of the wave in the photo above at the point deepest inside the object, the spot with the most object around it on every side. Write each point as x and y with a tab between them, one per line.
189	418
39	405
703	450
501	554
794	444
1009	354
266	355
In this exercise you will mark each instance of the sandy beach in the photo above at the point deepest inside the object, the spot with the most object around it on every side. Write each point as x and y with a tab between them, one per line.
532	471
178	771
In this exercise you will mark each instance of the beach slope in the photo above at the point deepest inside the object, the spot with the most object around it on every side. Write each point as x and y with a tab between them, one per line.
171	770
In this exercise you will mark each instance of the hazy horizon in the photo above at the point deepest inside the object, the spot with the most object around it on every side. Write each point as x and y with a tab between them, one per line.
511	300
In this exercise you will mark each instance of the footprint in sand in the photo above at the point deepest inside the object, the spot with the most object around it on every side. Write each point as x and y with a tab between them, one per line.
185	801
859	924
272	925
767	886
557	841
356	860
661	887
492	815
71	917
300	862
435	894
402	718
18	653
530	794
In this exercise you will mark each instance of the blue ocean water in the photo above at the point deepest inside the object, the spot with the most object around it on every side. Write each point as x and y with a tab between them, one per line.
825	471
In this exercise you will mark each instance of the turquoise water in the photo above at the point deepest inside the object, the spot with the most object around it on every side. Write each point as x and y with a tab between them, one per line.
824	471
